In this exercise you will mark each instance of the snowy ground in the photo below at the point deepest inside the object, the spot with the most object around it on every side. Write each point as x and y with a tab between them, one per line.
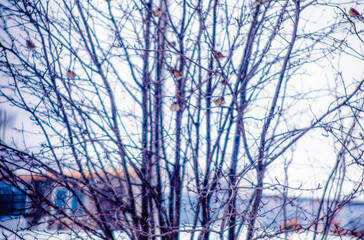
8	231
64	235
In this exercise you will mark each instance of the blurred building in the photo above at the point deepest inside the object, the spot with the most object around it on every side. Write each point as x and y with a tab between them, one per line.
60	201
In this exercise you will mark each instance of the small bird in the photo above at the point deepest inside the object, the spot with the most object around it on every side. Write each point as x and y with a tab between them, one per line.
353	12
174	107
218	55
171	44
176	73
260	1
71	74
224	81
157	12
219	101
30	44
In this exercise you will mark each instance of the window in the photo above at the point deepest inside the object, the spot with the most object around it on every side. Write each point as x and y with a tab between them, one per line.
12	201
76	207
37	206
60	197
68	202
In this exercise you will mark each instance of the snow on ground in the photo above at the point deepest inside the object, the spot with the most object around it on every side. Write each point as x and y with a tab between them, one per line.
66	235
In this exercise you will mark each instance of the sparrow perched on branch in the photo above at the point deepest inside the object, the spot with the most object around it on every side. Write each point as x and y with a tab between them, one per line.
174	107
157	13
71	74
224	81
260	1
176	73
171	44
219	101
218	55
30	44
353	12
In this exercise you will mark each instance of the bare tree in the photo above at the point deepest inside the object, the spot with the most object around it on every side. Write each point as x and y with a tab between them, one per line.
170	117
